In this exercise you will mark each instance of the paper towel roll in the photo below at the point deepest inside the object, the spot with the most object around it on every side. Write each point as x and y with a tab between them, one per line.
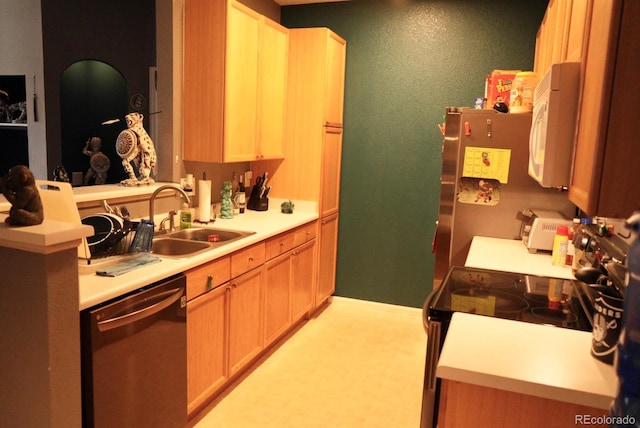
204	200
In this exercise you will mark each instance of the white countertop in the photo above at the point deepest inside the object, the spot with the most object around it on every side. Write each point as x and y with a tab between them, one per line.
42	238
521	357
531	359
512	255
96	289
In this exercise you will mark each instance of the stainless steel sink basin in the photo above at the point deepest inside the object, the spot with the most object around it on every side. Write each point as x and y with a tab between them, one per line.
209	235
191	241
177	247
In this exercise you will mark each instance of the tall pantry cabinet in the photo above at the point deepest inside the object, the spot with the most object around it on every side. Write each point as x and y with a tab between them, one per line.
313	145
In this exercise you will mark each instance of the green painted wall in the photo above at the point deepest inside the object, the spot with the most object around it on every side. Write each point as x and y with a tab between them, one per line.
406	61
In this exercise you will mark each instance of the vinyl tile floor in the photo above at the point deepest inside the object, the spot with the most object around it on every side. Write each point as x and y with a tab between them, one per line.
358	364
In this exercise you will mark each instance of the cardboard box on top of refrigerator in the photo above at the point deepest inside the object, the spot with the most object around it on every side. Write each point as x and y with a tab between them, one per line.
498	86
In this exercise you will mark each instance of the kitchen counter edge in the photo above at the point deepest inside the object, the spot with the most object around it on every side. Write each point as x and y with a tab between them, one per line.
95	289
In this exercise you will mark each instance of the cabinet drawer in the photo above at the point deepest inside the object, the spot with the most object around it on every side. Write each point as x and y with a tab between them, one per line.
208	276
244	260
279	244
305	233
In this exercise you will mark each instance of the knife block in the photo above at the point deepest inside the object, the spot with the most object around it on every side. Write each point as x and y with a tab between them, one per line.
256	203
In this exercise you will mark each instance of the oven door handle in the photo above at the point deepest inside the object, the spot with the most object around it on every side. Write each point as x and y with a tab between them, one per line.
433	354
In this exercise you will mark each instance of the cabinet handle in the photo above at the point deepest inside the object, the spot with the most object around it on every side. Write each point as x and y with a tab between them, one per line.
250	259
234	285
282	244
209	282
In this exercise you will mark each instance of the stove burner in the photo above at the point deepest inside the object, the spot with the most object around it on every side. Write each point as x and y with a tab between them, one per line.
555	317
489	280
503	303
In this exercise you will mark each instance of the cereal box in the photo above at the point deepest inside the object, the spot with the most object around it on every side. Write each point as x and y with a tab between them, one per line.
498	86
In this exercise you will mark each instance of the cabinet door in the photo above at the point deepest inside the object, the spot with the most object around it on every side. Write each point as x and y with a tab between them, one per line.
241	83
207	368
272	89
245	319
326	284
302	279
203	89
575	31
277	297
331	160
593	117
336	59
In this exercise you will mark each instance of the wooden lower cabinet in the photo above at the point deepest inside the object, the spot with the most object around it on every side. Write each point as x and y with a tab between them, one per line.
239	304
467	405
277	297
207	368
302	280
289	280
245	319
327	260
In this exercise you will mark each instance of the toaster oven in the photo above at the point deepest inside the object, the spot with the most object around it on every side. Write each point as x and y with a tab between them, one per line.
539	228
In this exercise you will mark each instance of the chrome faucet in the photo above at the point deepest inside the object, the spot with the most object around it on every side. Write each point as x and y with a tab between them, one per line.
162	188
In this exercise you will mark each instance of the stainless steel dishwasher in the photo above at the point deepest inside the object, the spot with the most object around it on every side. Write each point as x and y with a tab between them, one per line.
134	358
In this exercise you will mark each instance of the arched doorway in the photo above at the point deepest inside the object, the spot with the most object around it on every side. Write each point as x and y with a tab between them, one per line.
92	92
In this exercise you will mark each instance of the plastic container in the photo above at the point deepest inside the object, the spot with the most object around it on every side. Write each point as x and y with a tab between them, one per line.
560	243
522	91
627	360
185	217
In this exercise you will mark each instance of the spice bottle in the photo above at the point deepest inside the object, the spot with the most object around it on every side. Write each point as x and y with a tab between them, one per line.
560	243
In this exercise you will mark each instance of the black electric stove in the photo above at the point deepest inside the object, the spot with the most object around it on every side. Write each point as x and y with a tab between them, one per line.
510	296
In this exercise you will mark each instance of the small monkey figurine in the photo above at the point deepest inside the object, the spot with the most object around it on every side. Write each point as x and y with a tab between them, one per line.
19	187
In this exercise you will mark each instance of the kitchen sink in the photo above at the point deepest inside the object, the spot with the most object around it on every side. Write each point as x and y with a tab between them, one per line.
177	247
209	235
187	242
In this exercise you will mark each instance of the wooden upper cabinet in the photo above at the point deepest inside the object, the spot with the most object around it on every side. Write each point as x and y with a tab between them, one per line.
606	156
272	89
235	63
241	84
336	60
561	34
575	27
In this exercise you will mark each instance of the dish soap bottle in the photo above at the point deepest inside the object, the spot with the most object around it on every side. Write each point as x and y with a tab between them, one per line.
185	217
626	406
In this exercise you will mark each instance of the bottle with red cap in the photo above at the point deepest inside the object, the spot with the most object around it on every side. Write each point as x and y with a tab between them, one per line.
560	243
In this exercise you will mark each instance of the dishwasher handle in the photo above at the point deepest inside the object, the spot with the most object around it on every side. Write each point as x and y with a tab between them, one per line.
167	298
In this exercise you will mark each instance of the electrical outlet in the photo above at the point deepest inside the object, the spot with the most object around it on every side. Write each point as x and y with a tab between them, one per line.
248	176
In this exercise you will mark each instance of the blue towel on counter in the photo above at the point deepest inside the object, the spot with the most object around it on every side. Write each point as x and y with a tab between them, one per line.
129	265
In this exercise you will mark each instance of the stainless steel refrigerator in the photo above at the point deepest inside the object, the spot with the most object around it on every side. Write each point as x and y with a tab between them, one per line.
485	184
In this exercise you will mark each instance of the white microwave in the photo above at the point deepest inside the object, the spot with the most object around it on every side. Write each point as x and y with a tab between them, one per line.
553	125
